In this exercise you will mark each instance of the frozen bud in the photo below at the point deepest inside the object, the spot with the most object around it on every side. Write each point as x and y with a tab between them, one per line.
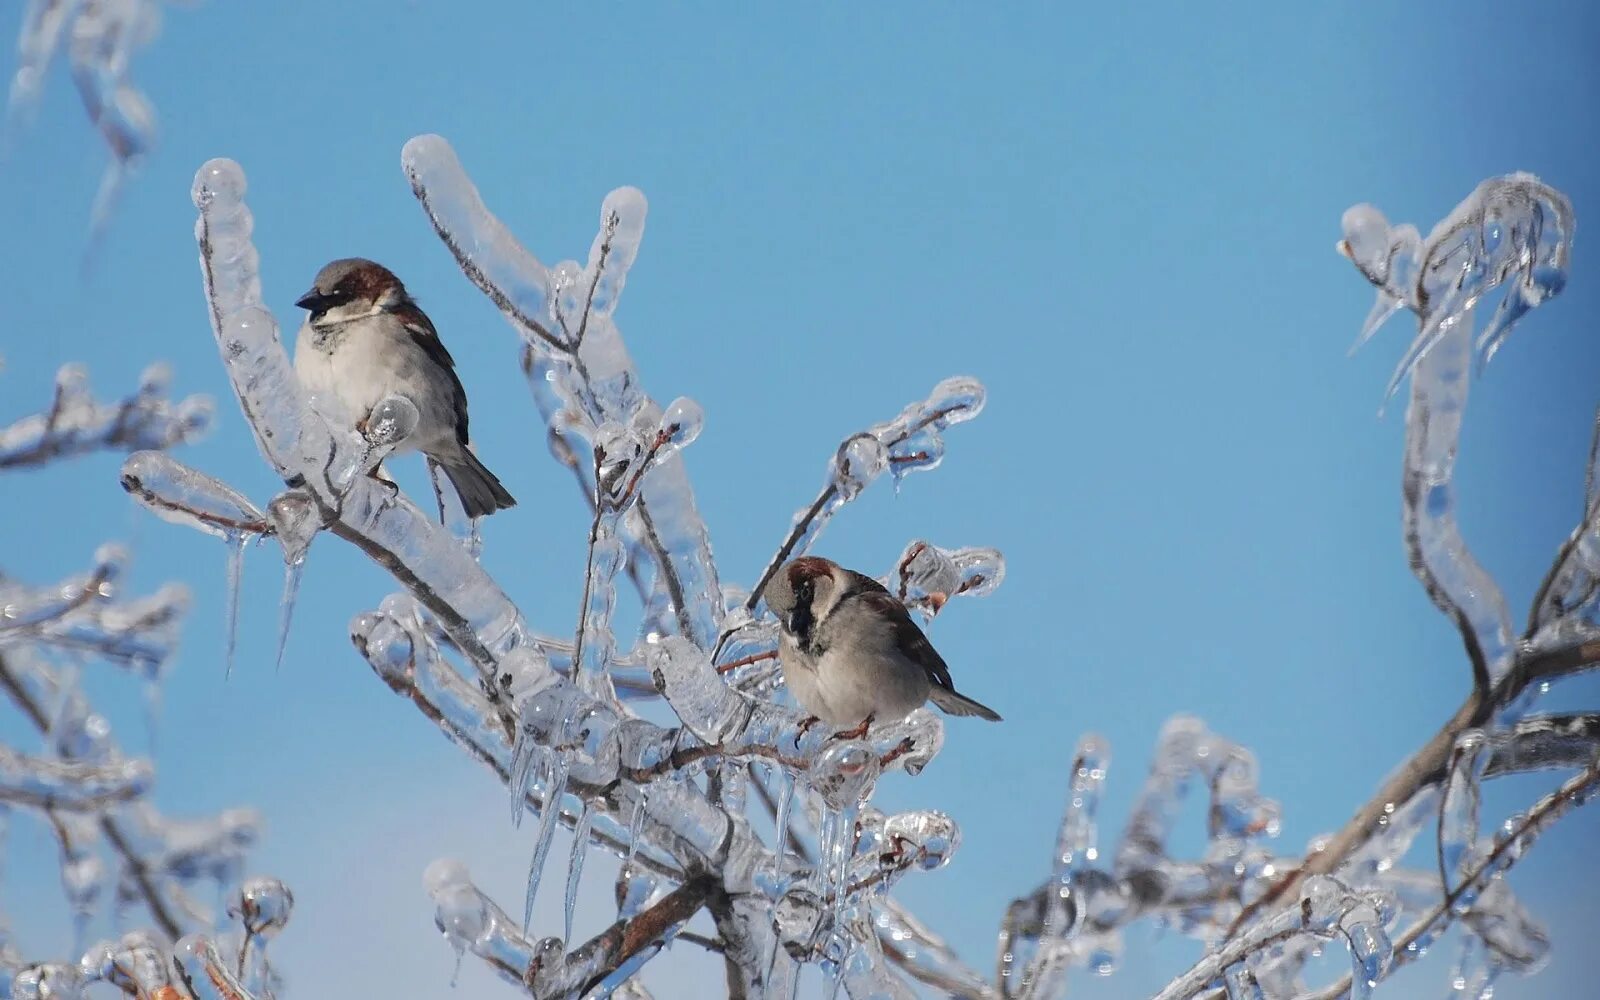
931	836
385	644
956	400
859	460
459	909
1323	902
619	452
263	906
295	521
844	773
912	741
1366	241
394	419
219	177
545	966
682	422
524	672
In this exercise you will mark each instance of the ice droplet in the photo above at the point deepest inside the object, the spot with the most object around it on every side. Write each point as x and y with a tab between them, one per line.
682	422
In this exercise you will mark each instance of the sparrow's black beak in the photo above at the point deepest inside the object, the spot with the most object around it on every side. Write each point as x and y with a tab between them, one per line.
313	300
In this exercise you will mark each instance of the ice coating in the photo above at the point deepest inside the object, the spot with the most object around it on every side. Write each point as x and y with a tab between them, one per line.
1452	577
305	451
911	442
97	802
671	798
179	494
1510	227
70	784
566	317
926	576
204	971
74	423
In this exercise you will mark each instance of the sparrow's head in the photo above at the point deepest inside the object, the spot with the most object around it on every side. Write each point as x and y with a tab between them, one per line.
803	592
351	288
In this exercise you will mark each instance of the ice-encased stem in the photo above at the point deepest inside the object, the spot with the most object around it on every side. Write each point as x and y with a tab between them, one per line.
1453	579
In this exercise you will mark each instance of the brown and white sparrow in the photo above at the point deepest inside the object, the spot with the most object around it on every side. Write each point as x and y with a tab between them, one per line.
851	653
365	339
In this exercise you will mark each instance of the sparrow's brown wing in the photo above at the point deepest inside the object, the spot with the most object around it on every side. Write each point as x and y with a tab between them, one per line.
420	327
910	641
862	583
914	646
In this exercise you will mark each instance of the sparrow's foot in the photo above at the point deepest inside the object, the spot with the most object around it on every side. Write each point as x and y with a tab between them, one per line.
377	476
857	733
807	723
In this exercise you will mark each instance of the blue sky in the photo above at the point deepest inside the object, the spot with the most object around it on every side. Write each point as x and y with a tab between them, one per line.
1121	221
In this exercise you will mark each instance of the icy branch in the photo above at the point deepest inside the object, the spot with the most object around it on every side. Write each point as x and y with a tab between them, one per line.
71	785
101	38
75	423
911	442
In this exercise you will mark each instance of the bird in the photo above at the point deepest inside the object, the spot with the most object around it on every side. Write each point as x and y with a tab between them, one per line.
851	655
365	339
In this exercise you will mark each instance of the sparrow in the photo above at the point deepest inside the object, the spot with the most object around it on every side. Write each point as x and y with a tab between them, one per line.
365	339
850	652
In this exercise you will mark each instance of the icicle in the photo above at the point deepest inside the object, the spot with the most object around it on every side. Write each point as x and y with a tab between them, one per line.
785	804
555	787
230	613
635	826
524	754
580	851
291	589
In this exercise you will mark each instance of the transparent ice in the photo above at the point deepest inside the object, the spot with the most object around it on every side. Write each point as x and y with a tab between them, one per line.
672	748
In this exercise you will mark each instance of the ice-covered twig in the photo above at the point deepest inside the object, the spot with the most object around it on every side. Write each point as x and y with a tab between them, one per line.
1509	226
911	442
1545	742
565	314
1510	846
75	423
73	785
174	492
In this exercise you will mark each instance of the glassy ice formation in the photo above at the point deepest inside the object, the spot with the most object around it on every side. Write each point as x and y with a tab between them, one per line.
188	923
740	811
100	38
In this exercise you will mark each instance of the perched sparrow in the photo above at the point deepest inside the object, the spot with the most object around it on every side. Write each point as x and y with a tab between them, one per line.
850	652
364	340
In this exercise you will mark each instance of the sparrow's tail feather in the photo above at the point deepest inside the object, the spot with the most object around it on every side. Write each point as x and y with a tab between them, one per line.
959	704
479	490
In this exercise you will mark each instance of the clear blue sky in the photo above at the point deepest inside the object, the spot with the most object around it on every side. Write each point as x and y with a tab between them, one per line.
1122	221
